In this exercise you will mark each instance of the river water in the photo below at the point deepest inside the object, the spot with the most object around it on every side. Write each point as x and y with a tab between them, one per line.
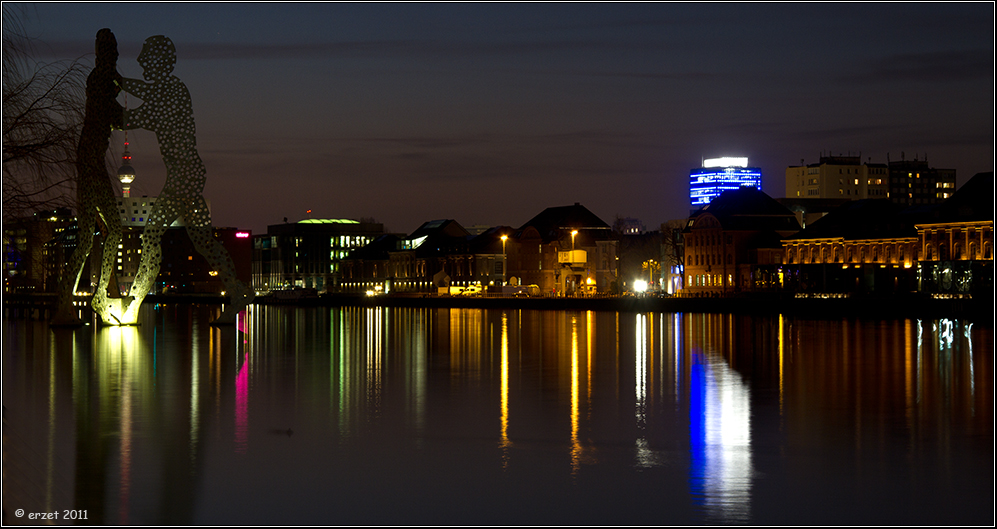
469	416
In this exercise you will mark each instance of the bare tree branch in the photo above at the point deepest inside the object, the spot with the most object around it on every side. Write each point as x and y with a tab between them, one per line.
42	115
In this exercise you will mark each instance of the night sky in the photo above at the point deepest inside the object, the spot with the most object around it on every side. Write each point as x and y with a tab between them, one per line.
488	114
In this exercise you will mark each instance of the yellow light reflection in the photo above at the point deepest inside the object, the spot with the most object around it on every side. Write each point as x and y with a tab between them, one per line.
908	373
504	442
123	342
589	347
576	447
51	429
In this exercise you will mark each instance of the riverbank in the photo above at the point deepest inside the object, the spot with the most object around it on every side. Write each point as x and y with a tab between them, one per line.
908	306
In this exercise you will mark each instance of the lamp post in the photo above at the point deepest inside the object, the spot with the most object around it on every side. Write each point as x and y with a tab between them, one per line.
504	238
573	233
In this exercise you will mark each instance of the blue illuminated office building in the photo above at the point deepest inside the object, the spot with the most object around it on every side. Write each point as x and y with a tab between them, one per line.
721	174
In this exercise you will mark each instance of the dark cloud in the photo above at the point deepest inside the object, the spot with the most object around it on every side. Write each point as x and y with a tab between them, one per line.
662	76
409	48
937	66
412	156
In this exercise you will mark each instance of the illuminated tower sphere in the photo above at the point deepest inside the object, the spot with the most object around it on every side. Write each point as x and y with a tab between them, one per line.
126	173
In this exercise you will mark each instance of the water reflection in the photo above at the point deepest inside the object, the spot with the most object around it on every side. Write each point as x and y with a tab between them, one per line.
719	430
591	417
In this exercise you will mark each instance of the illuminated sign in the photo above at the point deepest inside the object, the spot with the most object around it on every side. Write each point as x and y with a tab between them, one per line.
242	234
726	161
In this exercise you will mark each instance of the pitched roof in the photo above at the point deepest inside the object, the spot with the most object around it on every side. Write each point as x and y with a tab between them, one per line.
863	219
749	209
551	221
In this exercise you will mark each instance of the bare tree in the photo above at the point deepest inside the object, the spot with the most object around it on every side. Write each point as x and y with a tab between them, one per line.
673	249
42	116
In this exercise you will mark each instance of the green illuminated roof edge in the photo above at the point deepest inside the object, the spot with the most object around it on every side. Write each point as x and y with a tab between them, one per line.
328	221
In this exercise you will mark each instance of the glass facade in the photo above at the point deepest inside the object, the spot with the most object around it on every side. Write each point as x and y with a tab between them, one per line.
707	183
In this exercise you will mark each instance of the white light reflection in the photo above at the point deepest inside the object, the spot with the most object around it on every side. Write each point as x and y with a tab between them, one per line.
195	385
374	358
418	372
645	457
967	333
720	440
677	330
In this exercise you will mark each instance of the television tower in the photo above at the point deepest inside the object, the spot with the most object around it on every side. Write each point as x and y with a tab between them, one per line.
126	173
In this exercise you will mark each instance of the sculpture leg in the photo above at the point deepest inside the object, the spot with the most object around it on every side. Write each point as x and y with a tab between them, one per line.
163	215
219	259
66	313
109	310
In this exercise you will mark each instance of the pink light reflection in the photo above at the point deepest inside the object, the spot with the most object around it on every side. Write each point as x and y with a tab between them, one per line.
242	407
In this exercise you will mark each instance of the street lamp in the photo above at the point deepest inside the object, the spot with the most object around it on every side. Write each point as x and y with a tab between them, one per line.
573	233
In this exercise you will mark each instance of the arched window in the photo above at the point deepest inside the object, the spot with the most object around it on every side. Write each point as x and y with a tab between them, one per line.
943	252
973	251
837	254
957	251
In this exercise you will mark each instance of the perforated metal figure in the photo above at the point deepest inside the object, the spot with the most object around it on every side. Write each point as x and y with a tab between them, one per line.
166	110
93	187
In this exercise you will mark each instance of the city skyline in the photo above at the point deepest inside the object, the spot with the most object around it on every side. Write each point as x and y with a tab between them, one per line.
488	114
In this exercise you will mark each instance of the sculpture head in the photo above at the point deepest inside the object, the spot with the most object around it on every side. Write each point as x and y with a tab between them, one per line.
157	58
106	46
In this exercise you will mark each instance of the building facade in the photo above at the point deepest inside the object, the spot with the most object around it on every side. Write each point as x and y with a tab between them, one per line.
439	256
865	246
731	243
838	177
956	242
565	251
36	250
885	247
913	182
308	253
185	270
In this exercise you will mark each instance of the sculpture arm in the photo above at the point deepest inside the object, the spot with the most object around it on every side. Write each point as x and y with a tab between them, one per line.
134	118
135	87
